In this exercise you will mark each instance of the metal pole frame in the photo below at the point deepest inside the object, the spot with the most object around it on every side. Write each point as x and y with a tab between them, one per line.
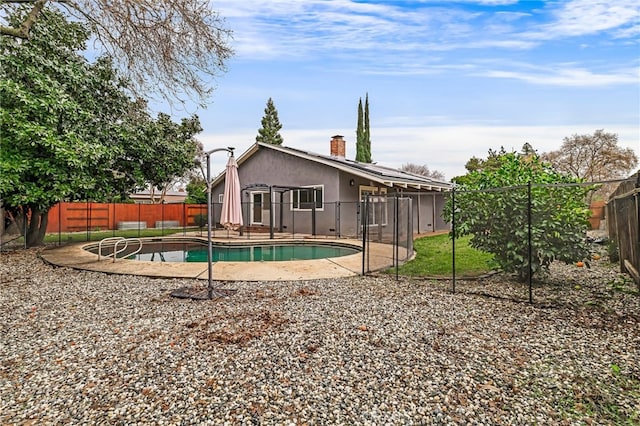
453	239
271	215
396	236
529	248
364	219
210	289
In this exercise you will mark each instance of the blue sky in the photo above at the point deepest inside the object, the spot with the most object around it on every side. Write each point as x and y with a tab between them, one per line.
446	80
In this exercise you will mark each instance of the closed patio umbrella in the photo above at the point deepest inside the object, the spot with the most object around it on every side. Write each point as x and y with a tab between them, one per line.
231	216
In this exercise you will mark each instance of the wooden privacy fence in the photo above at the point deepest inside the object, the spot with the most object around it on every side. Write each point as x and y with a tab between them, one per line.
623	213
83	216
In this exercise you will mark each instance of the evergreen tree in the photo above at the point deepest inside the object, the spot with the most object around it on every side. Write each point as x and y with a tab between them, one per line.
363	141
360	148
270	131
367	133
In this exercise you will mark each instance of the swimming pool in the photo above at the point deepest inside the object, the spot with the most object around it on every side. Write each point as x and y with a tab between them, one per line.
158	250
83	256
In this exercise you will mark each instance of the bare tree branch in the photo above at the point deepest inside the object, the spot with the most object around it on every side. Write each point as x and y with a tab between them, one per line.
23	31
422	170
174	48
593	157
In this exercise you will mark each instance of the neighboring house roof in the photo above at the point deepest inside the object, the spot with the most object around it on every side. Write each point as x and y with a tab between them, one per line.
169	195
371	171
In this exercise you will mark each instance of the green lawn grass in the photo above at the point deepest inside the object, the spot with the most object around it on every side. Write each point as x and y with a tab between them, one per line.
433	258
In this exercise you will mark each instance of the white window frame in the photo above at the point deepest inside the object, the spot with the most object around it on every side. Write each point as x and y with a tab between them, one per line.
220	198
296	193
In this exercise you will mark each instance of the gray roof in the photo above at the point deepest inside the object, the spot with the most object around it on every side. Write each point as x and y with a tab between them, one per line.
383	175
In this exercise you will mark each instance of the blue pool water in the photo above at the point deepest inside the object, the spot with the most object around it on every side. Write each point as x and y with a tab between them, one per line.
197	252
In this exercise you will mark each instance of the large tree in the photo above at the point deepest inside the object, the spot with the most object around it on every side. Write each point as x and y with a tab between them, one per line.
363	138
270	130
595	157
360	147
69	129
171	145
491	205
52	120
172	47
196	190
422	170
367	131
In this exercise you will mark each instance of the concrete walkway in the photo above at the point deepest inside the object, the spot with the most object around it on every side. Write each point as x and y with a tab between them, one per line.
380	256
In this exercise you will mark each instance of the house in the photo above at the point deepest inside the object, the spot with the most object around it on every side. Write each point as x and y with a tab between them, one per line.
170	196
293	190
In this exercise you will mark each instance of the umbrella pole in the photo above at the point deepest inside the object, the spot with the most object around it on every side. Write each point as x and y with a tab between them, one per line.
209	219
209	244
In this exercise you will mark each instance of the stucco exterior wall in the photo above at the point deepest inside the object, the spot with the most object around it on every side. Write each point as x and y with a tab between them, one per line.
340	214
273	168
427	212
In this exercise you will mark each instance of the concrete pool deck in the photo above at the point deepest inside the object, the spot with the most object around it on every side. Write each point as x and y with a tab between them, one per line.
380	256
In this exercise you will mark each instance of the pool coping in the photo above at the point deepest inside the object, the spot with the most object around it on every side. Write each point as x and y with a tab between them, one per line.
380	256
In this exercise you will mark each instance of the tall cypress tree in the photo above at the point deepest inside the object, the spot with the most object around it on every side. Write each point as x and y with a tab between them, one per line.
366	138
269	133
360	148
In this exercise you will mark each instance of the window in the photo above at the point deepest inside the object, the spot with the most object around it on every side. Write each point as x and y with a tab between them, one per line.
306	198
220	198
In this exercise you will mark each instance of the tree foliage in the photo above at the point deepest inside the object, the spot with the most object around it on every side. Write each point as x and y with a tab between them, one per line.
367	130
492	161
69	130
363	138
360	148
593	158
53	120
172	146
270	130
197	191
422	170
173	47
491	204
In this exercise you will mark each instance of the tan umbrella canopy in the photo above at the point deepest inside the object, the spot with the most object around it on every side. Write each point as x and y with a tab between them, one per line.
231	216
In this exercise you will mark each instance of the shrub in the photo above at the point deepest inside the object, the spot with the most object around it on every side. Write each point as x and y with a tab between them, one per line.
492	205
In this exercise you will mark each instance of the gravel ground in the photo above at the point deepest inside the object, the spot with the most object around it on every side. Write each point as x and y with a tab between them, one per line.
89	348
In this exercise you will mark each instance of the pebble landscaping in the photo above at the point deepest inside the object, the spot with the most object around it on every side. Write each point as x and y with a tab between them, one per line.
81	347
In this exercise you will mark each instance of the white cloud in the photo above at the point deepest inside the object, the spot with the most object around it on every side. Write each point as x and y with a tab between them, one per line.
585	17
298	29
590	16
630	33
569	76
393	40
293	28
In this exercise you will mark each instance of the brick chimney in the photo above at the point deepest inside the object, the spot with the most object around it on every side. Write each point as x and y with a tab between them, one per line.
338	146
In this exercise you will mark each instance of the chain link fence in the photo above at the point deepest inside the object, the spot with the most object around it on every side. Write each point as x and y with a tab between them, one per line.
546	239
543	234
386	219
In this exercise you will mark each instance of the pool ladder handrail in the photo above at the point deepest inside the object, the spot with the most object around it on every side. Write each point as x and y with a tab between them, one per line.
116	241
